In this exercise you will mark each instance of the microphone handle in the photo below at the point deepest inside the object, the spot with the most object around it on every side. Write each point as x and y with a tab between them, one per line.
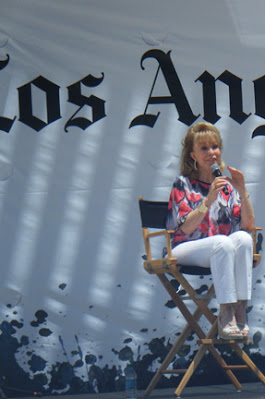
217	173
225	190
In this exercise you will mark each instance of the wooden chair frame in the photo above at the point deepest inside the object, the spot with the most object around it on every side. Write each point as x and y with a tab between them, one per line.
164	266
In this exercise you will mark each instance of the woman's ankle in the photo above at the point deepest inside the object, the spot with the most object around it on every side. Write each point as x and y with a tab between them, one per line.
241	311
227	314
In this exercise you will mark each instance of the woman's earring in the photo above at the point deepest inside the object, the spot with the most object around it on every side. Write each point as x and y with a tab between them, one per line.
195	164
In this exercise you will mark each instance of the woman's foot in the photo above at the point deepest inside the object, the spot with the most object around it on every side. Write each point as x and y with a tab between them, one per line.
241	317
244	329
227	324
229	331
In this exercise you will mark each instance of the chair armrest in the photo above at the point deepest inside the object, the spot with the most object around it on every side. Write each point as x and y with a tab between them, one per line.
160	266
159	233
147	238
256	256
255	228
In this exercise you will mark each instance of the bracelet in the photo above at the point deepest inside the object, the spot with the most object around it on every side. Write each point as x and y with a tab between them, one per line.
202	208
244	199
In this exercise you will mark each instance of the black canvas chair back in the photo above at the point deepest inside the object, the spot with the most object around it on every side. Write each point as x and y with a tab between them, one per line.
153	213
154	216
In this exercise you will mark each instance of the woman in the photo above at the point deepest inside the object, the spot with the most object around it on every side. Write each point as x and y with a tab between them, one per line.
206	214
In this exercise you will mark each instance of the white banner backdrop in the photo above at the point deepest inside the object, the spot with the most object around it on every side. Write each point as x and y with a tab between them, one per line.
95	99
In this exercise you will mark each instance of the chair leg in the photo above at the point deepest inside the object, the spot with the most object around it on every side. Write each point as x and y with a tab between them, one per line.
171	354
245	358
182	307
191	326
180	341
197	359
192	367
211	334
201	303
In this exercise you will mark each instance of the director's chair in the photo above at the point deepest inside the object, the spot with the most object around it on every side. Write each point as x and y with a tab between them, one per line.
153	216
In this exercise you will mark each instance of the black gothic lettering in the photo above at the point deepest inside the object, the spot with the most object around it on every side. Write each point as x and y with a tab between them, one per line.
76	97
259	131
52	103
4	63
235	96
209	97
5	123
259	90
177	96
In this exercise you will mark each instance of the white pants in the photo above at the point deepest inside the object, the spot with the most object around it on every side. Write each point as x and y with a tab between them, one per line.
230	259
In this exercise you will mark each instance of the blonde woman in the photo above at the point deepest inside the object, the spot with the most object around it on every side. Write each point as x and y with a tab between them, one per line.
208	215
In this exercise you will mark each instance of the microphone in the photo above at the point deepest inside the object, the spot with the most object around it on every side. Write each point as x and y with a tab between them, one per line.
216	171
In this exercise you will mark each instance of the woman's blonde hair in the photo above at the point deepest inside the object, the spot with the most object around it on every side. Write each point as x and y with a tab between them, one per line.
198	133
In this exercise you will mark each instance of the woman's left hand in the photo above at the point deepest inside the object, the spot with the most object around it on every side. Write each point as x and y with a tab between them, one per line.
237	180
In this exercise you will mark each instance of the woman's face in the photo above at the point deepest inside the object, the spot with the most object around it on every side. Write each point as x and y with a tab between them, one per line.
206	153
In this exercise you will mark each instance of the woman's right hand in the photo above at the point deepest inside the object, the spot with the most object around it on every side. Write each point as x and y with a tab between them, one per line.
217	185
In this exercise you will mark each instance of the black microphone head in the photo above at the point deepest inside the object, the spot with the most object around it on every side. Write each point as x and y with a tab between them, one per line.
216	170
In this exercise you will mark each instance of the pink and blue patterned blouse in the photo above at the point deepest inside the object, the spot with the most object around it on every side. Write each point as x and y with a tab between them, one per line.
223	216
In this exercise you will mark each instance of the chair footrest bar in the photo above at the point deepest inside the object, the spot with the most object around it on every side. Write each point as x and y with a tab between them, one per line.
205	296
214	341
172	371
236	367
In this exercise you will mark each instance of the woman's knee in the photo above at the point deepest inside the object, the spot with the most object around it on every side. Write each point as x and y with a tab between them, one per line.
242	239
246	238
223	244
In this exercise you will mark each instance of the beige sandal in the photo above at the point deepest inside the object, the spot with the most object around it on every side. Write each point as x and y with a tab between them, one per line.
244	329
229	331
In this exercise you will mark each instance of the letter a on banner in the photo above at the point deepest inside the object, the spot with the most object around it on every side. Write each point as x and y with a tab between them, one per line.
177	96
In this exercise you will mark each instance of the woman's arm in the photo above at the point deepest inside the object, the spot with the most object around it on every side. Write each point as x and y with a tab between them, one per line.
195	217
247	212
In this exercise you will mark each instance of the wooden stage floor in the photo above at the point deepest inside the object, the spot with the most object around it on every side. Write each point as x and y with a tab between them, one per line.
249	391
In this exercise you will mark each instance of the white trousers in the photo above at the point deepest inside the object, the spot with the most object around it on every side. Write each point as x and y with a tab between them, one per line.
230	259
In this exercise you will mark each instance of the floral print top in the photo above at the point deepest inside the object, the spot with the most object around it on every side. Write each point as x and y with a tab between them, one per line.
223	216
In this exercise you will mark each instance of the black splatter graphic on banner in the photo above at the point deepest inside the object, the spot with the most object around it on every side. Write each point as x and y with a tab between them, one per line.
18	382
